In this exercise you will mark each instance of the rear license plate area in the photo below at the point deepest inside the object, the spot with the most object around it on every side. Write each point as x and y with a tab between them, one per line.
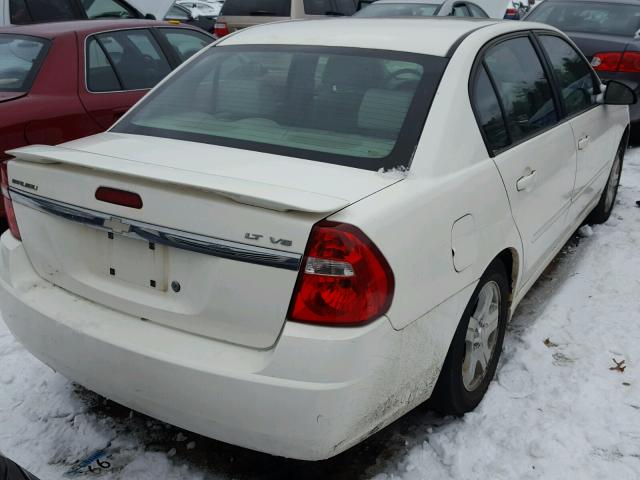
135	261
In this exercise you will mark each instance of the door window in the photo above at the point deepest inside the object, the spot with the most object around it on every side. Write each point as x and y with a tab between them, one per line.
575	77
134	54
100	74
178	13
37	11
185	43
106	9
522	86
488	112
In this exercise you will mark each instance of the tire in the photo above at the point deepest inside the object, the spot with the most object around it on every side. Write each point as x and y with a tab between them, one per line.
460	388
602	210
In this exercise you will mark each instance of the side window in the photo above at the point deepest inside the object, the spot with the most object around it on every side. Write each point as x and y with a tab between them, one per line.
106	9
37	11
136	57
19	13
522	86
476	11
460	10
488	111
329	7
317	7
100	75
346	7
185	43
574	76
177	13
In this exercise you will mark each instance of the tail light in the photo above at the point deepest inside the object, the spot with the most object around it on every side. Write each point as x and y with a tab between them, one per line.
511	11
606	61
220	29
617	62
8	204
345	279
630	62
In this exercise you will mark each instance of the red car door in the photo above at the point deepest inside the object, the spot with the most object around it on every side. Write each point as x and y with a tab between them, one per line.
117	68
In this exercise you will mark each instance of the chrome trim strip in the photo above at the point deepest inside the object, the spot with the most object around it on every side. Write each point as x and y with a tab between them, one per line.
192	242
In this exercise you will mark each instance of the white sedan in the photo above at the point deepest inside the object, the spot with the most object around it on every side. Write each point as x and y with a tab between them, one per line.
302	234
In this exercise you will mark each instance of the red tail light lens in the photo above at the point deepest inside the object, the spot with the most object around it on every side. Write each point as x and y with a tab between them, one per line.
220	29
630	62
511	11
606	61
8	204
119	197
345	279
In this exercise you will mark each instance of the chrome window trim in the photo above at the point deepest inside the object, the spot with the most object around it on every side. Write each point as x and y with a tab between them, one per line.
148	232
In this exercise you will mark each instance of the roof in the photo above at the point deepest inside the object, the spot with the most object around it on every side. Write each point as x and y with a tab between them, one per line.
55	29
426	35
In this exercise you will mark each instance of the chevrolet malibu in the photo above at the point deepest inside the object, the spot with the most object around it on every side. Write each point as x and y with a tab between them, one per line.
296	238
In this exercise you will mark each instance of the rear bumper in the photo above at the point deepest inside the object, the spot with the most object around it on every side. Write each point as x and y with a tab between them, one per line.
315	394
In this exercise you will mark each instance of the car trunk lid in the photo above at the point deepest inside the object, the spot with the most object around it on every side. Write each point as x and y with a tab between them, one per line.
216	246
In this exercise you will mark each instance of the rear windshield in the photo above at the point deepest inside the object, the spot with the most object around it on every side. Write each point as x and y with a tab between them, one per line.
249	8
357	107
398	10
20	60
588	17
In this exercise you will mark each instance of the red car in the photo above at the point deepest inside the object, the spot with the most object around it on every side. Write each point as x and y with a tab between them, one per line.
66	80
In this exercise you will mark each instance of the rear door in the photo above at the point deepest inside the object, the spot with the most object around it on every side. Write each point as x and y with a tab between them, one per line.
117	69
534	153
578	87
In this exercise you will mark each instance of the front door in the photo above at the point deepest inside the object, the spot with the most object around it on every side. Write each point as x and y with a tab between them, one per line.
578	87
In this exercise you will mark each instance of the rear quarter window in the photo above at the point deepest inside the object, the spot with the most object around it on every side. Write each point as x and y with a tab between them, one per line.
20	59
248	8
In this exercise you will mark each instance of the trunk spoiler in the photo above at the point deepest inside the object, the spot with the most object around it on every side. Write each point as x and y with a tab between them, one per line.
248	192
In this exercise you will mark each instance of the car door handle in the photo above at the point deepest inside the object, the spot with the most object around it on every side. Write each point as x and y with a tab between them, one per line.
525	182
583	142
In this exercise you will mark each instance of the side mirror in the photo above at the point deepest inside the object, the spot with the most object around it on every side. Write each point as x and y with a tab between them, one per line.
150	16
617	93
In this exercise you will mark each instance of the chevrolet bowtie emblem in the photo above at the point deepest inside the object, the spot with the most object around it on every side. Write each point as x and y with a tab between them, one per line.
116	225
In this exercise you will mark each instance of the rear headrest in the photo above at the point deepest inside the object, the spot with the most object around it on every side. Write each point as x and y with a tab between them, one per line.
245	98
347	71
384	110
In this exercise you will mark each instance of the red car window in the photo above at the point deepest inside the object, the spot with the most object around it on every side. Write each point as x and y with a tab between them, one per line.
20	60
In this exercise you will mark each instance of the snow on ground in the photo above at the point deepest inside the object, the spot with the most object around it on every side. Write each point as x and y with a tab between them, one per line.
559	407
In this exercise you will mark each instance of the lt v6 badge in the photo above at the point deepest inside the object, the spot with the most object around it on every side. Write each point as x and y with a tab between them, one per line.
274	241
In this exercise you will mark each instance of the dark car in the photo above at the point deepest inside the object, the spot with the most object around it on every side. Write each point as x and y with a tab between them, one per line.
23	12
66	80
608	33
180	14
